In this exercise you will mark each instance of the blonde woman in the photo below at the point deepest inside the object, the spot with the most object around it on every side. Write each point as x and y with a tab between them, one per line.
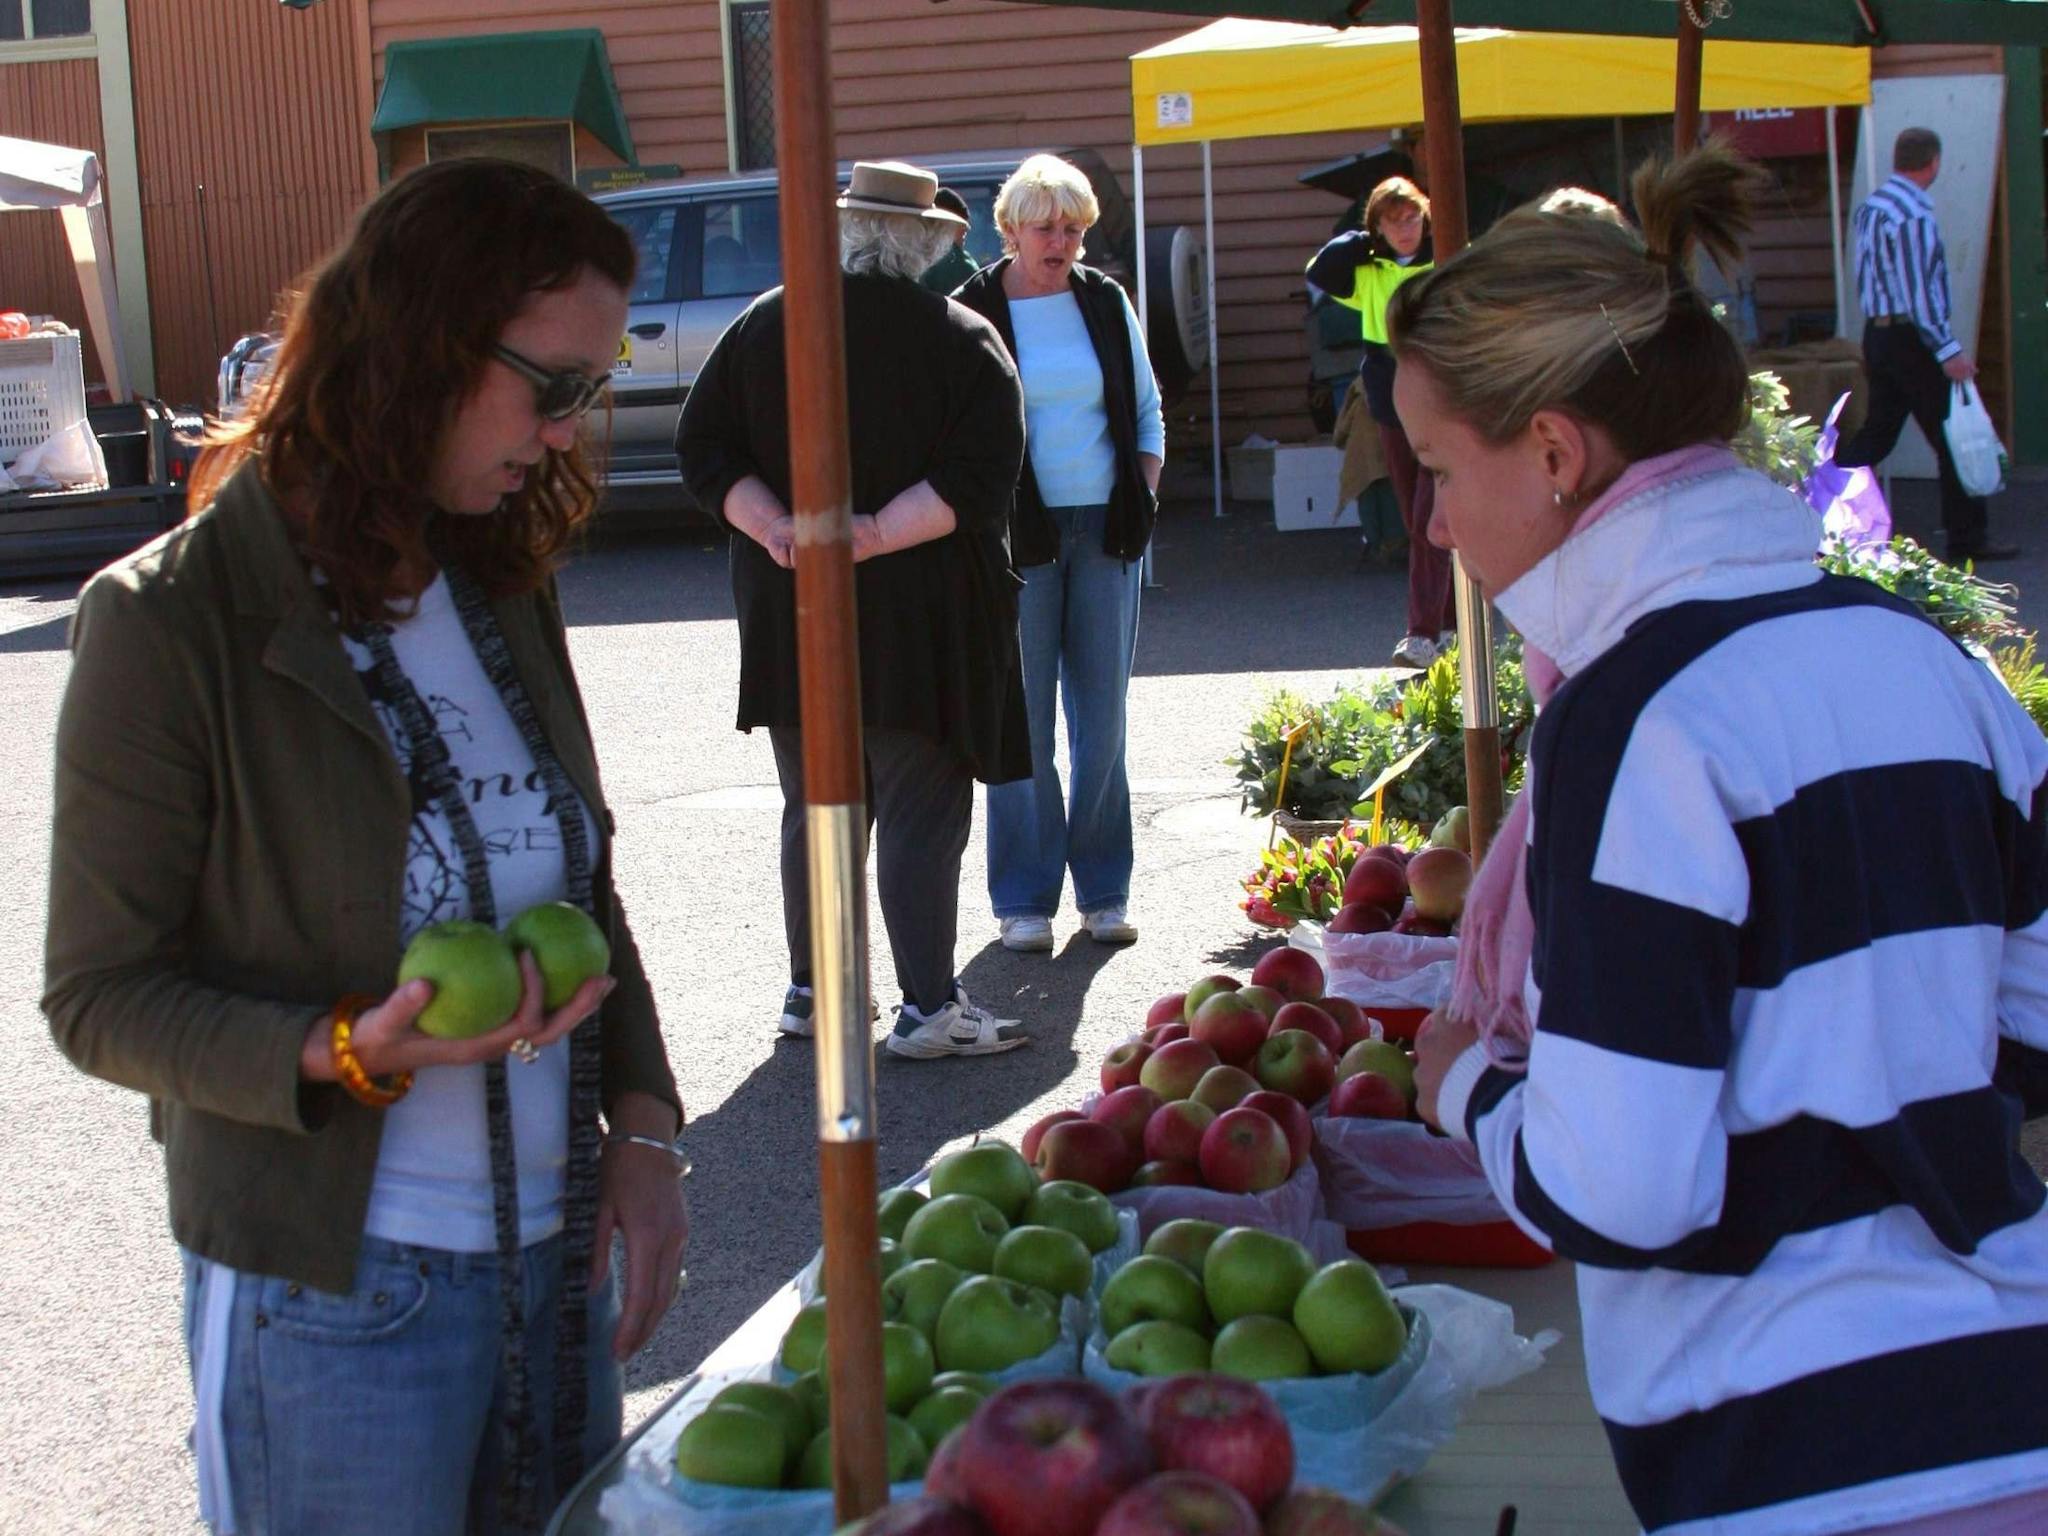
1085	502
1757	1020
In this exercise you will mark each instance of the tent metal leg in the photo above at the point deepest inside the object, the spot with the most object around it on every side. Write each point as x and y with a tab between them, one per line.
1209	278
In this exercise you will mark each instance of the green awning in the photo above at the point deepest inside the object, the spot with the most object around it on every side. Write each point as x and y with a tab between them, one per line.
506	75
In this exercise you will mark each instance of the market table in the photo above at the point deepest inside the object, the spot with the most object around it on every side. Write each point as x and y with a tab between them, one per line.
1534	1443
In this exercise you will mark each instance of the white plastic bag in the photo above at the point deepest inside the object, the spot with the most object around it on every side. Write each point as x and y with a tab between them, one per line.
1386	1173
1973	442
69	459
1385	970
1293	1210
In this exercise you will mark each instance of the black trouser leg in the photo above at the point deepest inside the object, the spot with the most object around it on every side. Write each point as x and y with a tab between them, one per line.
923	799
1905	380
788	743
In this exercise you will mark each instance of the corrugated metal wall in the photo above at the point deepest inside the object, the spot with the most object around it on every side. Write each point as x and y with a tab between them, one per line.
261	105
56	102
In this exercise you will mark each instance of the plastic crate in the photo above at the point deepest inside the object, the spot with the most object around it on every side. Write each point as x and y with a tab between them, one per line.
42	389
1482	1245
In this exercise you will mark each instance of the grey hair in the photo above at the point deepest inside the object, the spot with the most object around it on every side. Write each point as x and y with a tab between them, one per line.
890	244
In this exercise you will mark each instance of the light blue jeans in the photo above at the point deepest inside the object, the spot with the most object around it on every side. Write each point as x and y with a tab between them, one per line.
376	1413
1078	630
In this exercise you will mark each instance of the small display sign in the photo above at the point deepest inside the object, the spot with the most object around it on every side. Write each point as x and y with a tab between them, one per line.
1773	133
615	178
1176	109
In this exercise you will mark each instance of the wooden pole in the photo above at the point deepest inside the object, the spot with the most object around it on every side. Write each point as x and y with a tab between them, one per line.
834	784
1685	132
1443	147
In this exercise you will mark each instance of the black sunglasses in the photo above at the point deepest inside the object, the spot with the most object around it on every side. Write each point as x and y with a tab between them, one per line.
557	396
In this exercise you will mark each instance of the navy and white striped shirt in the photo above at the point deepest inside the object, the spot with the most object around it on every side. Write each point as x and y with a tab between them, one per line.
1901	268
1789	879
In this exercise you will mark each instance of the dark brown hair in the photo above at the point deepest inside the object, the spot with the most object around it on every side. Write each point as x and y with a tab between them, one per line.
1555	310
1915	149
383	343
1394	192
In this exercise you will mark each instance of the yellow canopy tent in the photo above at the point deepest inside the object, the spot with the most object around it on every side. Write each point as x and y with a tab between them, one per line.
1236	79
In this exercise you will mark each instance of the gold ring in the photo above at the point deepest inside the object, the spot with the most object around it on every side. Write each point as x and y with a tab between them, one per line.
524	1049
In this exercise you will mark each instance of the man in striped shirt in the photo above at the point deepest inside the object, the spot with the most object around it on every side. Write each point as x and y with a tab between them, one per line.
1909	350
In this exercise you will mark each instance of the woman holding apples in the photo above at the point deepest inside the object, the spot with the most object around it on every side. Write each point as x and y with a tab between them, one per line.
332	709
1757	1017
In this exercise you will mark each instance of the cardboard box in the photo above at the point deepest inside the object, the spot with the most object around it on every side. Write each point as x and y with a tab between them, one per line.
1250	472
1305	489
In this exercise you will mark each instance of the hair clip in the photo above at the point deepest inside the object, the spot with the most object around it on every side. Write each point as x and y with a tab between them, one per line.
1625	357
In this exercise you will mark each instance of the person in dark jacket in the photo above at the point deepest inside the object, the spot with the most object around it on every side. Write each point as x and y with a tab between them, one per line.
1082	515
936	428
1360	270
956	266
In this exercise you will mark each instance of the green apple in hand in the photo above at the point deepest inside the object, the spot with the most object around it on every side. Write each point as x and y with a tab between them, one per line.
961	1229
991	1169
896	1209
989	1324
1156	1347
1073	1207
778	1403
803	1346
565	943
916	1292
1152	1287
1260	1348
1247	1270
1349	1320
475	975
1046	1257
732	1445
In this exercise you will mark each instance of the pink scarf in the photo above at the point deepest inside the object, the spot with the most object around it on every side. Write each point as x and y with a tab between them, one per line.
1498	933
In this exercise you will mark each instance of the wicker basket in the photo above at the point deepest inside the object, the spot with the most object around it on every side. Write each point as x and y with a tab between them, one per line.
1303	832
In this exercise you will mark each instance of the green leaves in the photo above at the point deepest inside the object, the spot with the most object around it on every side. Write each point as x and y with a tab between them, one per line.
1774	440
1962	603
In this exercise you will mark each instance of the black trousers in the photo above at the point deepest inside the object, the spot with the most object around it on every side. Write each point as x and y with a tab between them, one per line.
1905	380
922	798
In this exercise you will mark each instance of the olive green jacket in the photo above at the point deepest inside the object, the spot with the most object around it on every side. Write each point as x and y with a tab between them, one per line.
227	859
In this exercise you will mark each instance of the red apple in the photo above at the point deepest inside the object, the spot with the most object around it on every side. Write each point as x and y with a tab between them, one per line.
1175	1131
1376	882
1296	1063
1029	1145
1048	1457
1291	1115
1351	1024
1126	1112
1230	1027
1360	917
1176	1067
1088	1152
1245	1151
1165	1171
1224	1087
1120	1068
1225	1427
1423	927
1166	1034
1202	991
925	1516
1265	999
1180	1504
1169	1009
1319	1512
1369	1096
1291	972
1393	851
942	1472
1438	878
1312	1018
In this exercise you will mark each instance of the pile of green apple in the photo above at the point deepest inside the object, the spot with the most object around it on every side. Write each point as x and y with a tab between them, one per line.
973	1274
475	968
1243	1302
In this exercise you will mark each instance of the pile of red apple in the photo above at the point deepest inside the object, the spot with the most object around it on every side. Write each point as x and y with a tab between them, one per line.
1194	1455
1391	889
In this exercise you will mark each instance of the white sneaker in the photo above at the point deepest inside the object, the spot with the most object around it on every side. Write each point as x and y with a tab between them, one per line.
797	1006
1415	651
1027	933
1446	640
961	1028
1110	925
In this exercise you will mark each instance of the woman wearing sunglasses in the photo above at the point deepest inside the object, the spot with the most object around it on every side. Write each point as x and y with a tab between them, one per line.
333	708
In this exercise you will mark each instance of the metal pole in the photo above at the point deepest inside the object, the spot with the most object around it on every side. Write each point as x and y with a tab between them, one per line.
1685	128
1835	223
1144	306
1209	277
1443	147
835	820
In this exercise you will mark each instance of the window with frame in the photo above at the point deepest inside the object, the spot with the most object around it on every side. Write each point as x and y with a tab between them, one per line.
742	246
25	20
652	227
750	48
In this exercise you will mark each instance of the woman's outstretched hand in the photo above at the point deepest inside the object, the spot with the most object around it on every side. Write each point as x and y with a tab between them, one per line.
1440	1041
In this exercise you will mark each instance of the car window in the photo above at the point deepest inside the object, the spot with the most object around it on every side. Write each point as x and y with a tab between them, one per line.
742	246
984	240
653	229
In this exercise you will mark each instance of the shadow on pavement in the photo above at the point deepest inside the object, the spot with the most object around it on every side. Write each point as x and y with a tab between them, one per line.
49	635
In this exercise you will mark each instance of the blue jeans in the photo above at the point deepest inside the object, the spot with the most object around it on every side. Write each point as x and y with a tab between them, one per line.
1078	630
376	1413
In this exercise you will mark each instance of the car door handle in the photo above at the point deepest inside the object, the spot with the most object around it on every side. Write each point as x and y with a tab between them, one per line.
649	330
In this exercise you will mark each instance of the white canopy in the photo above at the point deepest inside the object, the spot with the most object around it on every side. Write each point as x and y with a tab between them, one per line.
36	175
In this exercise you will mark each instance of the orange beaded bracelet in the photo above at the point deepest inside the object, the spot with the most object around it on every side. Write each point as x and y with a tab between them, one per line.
358	1084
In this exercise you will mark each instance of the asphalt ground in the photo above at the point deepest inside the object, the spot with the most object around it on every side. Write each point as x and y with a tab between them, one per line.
97	1403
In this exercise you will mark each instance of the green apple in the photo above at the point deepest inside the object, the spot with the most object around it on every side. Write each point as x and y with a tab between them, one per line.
907	1366
1261	1348
989	1324
1349	1320
1383	1057
778	1403
803	1346
1247	1271
993	1170
1073	1207
1046	1257
732	1445
896	1209
565	943
1185	1240
973	1381
1156	1347
889	1254
1151	1287
904	1449
475	975
916	1292
938	1413
810	1391
961	1229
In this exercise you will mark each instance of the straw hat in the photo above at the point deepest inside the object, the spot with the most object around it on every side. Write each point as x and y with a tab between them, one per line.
890	186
